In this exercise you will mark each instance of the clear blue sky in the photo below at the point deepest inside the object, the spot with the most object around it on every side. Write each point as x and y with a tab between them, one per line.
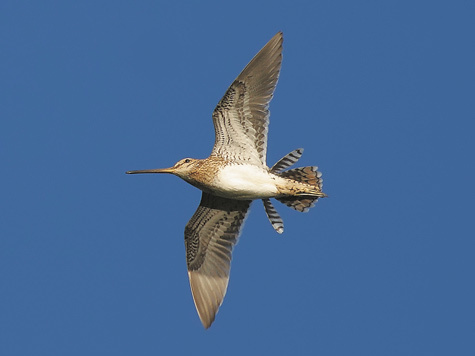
381	96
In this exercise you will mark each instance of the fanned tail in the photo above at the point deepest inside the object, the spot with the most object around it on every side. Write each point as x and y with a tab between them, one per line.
307	175
311	179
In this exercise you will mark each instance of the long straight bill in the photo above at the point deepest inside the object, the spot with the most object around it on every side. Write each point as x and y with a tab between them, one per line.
158	170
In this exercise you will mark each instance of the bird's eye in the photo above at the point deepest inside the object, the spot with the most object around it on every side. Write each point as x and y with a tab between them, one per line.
187	160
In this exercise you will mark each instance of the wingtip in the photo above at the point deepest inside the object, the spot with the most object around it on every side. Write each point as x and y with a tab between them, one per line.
207	296
206	324
279	36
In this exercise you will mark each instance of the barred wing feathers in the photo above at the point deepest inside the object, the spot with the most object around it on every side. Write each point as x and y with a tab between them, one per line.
210	236
241	118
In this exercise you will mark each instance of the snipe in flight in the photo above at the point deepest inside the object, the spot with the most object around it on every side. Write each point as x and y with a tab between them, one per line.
234	175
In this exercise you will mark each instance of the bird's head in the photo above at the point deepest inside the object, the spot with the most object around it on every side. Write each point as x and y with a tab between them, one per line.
182	168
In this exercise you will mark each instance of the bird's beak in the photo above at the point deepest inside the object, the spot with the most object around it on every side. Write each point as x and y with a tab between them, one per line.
158	170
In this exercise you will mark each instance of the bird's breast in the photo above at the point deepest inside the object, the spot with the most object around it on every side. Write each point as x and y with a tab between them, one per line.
245	182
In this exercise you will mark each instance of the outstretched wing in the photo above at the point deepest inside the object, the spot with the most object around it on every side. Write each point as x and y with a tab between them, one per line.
241	118
210	236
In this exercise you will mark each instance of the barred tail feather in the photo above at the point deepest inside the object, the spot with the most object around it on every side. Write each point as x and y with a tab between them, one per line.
302	204
274	217
308	175
288	160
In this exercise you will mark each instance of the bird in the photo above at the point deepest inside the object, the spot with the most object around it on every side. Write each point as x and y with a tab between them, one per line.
234	175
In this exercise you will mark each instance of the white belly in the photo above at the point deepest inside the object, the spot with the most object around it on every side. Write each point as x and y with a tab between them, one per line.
245	182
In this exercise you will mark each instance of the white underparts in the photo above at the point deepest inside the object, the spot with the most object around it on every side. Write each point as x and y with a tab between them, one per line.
245	182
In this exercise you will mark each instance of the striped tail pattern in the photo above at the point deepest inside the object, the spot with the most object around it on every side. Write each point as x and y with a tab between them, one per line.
308	175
